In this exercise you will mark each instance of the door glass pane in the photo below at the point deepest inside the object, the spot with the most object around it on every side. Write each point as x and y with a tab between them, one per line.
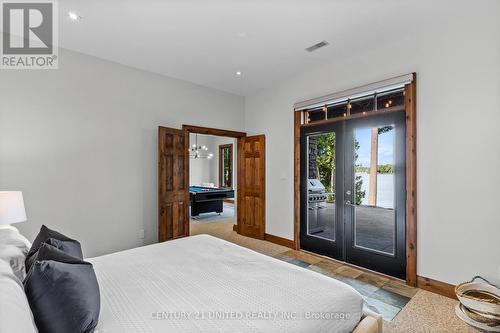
374	188
321	185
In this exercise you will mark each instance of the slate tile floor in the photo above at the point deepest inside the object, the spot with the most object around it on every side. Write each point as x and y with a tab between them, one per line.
382	294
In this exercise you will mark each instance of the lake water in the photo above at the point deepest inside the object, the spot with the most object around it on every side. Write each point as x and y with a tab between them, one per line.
385	189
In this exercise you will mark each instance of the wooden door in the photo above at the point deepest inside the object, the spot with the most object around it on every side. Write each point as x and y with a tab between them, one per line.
251	186
173	184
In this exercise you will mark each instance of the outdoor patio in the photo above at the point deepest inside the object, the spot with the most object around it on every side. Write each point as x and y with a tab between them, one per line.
374	226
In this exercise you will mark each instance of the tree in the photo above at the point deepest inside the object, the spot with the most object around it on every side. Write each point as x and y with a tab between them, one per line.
325	161
323	148
385	168
359	194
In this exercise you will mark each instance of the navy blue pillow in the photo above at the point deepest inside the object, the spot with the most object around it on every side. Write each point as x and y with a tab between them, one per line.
63	292
52	237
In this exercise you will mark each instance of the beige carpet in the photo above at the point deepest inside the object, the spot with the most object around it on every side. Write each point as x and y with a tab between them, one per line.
425	312
428	312
225	231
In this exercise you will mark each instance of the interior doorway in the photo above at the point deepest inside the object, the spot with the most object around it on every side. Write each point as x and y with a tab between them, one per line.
211	172
179	198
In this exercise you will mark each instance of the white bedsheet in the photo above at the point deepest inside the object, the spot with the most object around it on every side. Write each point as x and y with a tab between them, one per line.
181	285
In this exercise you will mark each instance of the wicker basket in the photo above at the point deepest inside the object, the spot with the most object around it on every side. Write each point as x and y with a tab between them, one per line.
480	301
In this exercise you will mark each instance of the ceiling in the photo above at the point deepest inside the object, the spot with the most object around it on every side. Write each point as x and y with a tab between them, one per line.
207	42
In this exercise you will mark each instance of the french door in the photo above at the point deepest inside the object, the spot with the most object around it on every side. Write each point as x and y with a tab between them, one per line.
353	197
322	211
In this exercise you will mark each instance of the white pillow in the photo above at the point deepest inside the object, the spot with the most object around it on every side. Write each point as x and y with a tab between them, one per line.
15	312
13	249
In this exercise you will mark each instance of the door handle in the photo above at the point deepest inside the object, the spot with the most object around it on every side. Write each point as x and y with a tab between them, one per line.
348	203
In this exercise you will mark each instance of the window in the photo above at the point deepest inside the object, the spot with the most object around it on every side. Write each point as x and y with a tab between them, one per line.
362	105
226	166
391	100
316	115
337	110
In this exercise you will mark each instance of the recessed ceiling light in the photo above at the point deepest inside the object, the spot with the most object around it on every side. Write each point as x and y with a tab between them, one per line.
74	16
317	46
238	73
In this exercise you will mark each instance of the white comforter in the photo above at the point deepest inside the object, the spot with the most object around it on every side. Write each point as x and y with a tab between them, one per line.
204	284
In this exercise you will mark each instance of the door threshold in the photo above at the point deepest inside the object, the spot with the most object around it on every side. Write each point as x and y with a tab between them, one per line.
354	266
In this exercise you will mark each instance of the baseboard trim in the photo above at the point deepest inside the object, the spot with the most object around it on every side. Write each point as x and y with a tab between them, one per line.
435	286
279	240
235	227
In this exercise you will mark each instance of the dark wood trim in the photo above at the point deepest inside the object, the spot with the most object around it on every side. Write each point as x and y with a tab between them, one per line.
186	175
280	241
230	146
239	170
213	131
297	119
410	109
411	182
399	108
435	286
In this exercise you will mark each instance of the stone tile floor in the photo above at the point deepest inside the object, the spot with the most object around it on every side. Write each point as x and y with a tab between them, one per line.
382	294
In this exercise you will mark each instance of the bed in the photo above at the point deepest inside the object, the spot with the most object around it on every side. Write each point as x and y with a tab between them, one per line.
202	283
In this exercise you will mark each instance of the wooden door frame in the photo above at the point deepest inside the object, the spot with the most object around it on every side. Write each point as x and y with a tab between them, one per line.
411	179
213	131
231	149
210	131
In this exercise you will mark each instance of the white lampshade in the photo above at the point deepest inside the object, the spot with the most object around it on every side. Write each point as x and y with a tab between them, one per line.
12	207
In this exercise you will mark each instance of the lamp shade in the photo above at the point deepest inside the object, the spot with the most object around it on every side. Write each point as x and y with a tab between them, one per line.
12	207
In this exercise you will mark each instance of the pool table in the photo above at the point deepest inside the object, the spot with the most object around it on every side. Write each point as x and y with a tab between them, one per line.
208	199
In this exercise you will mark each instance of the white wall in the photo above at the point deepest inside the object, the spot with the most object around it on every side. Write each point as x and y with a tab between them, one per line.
81	143
456	55
201	170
